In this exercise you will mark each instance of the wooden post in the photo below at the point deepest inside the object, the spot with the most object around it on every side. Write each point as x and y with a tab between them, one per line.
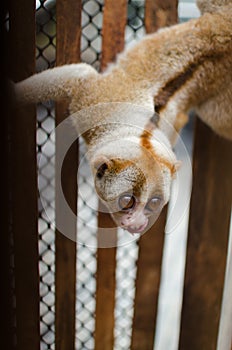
115	14
147	285
160	13
6	233
113	32
23	179
210	213
105	289
151	244
68	18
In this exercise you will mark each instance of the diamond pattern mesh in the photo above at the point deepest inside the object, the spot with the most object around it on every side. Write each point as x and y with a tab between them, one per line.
45	58
91	32
135	21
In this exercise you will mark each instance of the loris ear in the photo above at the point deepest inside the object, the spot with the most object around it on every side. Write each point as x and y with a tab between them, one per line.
176	167
101	164
56	83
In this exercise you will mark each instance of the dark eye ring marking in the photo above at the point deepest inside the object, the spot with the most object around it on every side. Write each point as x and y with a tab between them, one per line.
101	170
126	202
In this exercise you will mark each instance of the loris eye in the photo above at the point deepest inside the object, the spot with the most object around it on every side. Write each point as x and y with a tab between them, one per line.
153	204
126	202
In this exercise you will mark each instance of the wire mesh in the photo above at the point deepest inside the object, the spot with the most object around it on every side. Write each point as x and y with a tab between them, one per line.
45	58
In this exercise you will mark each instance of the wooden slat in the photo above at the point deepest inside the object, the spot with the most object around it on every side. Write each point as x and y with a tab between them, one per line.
159	13
114	22
151	244
207	242
106	285
23	179
6	233
147	285
68	16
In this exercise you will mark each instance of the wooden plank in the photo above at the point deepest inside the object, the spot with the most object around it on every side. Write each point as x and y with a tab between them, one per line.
23	179
147	285
106	286
207	241
151	244
114	22
160	13
68	16
7	310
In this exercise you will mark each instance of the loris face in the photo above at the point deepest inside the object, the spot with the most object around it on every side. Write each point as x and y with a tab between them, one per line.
134	191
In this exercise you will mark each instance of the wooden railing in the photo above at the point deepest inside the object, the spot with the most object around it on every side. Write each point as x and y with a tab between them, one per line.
210	209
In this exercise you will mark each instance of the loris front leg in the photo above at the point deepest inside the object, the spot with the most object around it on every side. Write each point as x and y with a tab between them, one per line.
56	83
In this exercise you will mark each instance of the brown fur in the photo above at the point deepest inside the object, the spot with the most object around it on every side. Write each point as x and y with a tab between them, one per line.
146	143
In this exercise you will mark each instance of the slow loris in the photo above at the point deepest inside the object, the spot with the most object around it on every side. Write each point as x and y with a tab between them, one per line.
130	113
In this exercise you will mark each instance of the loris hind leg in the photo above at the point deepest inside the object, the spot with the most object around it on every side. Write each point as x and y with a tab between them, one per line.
217	112
180	121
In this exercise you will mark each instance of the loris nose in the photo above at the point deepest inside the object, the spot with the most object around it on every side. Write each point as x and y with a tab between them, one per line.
137	220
